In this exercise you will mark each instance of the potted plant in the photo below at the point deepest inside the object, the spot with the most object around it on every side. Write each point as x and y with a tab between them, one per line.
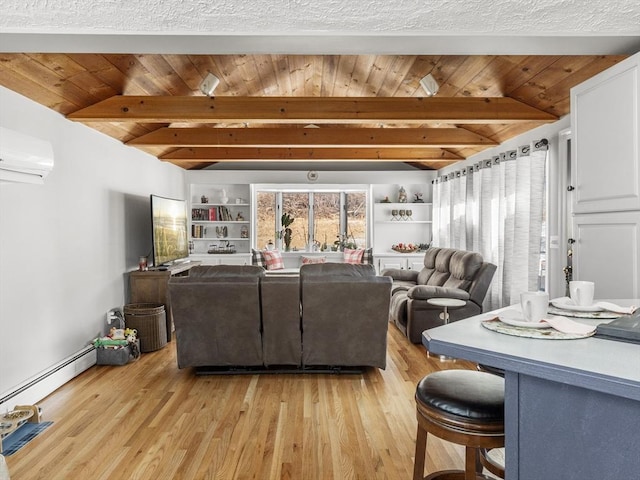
286	220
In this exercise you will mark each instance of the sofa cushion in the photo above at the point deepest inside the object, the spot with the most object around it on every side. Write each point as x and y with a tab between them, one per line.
215	271
367	256
257	258
425	292
337	269
273	259
448	267
353	256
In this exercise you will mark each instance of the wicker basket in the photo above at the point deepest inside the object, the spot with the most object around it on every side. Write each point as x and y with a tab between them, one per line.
149	319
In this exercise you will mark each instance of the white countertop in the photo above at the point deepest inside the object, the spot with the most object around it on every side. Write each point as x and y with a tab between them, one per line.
604	365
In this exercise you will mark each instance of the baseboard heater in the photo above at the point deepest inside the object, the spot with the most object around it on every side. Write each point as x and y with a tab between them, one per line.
45	382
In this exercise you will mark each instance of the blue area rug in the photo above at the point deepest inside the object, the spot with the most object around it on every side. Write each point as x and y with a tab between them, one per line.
23	435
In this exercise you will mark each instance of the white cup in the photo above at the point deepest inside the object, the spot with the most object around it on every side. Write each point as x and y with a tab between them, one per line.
582	292
534	305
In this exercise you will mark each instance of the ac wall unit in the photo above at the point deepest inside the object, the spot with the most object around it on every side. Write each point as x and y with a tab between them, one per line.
24	158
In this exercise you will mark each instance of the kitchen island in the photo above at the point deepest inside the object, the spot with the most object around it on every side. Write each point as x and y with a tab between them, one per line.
572	407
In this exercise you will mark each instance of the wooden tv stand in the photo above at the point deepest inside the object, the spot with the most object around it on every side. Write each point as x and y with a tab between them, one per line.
151	286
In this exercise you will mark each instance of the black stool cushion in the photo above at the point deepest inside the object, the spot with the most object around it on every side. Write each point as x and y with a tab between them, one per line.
471	395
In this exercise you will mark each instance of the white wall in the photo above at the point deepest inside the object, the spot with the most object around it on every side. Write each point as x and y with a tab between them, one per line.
300	177
65	246
556	257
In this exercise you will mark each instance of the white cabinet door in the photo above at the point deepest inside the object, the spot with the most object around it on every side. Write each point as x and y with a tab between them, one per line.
391	262
607	252
404	262
606	138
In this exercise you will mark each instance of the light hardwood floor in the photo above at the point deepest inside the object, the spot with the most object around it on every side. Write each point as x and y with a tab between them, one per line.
150	420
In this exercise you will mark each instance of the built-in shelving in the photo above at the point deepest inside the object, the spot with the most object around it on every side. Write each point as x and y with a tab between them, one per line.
220	223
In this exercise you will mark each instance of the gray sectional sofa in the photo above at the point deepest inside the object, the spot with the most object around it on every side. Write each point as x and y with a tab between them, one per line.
331	315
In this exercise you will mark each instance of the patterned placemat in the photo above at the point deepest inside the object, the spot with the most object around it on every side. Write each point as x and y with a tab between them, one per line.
545	333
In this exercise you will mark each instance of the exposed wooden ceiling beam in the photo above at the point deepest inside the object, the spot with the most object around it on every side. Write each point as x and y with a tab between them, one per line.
414	110
308	154
313	137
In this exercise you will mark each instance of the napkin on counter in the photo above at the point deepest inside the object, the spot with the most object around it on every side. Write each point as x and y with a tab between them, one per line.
566	325
610	307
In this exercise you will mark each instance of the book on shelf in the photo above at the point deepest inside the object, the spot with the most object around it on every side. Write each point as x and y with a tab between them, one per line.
197	231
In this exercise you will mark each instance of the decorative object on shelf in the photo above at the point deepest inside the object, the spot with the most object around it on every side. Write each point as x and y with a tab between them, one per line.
223	248
239	217
422	247
270	246
204	199
286	220
402	195
418	198
344	241
222	232
385	199
405	248
402	214
408	214
244	232
394	214
142	264
191	246
324	247
223	196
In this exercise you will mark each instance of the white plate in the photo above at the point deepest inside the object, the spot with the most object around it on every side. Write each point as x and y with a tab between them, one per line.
566	303
524	324
515	319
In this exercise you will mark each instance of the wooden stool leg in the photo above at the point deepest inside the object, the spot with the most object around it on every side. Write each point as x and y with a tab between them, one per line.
421	453
470	466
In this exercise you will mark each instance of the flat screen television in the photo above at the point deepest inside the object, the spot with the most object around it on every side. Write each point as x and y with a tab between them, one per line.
169	230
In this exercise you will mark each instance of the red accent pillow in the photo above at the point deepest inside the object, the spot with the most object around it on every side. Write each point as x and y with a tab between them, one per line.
353	256
273	259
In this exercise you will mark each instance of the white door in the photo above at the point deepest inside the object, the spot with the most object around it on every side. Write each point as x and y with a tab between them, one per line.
607	251
606	140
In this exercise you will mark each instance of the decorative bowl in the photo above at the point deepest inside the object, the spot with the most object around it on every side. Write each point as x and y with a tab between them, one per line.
404	249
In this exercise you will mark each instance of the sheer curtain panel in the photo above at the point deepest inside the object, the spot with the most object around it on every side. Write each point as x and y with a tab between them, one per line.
497	207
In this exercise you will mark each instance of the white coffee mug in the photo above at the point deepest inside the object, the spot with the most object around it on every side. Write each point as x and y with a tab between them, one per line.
534	305
582	292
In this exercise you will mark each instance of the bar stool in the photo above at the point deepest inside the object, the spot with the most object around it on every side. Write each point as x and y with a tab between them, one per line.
464	407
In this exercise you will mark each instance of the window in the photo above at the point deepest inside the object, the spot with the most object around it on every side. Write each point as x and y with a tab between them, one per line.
322	219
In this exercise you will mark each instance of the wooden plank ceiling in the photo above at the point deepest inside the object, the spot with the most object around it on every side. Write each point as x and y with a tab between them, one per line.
303	107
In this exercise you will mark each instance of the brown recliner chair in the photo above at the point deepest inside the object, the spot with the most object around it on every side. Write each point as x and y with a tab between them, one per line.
447	273
216	313
344	315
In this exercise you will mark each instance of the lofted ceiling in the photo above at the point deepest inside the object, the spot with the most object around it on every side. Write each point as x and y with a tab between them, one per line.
306	108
